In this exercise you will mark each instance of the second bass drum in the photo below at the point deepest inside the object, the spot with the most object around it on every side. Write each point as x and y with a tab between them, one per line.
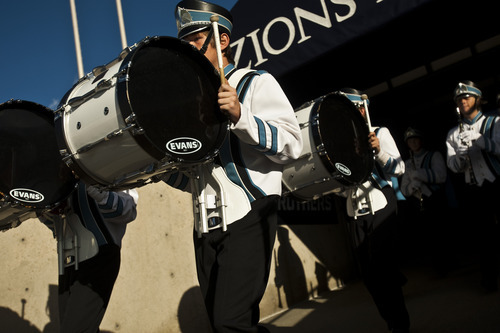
336	152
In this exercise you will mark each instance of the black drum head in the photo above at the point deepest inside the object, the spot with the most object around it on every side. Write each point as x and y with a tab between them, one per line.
344	134
172	89
32	172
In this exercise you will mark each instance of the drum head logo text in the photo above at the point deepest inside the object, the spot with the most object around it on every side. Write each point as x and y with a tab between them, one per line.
183	145
26	195
343	169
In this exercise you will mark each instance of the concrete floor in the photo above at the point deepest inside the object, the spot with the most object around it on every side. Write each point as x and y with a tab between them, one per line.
437	304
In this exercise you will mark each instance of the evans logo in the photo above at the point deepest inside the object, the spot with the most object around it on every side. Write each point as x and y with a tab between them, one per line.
26	195
183	145
343	169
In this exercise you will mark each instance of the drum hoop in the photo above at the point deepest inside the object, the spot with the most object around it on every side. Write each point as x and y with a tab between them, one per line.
125	103
318	140
316	134
41	109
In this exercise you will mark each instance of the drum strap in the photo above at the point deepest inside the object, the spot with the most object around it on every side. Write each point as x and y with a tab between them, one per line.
492	161
207	41
377	177
230	153
426	164
90	215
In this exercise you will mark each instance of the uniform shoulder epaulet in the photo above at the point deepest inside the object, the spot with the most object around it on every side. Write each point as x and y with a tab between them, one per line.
245	81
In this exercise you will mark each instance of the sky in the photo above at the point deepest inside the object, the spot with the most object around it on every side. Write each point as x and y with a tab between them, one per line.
38	59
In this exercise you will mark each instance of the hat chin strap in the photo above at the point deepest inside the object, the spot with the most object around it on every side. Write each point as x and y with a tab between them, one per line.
207	41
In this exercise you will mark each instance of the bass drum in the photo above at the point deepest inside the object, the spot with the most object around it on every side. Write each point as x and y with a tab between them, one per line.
33	177
336	153
152	109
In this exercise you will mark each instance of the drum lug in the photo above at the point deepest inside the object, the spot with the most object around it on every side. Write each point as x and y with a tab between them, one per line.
130	119
315	120
304	125
321	149
67	160
101	86
138	131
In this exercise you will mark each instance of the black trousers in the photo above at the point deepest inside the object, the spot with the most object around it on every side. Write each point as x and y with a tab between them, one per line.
233	268
84	293
483	224
374	238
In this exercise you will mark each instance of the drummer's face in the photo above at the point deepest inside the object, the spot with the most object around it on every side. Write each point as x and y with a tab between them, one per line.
197	39
362	110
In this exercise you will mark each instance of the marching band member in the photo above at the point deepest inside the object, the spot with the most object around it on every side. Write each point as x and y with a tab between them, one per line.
372	208
234	249
425	171
473	148
423	184
89	231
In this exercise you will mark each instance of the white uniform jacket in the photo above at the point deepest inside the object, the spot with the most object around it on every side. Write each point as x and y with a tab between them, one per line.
106	218
425	171
266	137
368	198
484	163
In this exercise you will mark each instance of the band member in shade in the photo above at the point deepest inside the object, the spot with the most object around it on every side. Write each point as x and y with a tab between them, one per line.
98	220
428	210
372	208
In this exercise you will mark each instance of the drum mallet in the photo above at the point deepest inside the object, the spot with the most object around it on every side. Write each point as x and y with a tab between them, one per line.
364	97
214	19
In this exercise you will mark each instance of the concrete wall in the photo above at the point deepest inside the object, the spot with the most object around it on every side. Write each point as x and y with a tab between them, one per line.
157	289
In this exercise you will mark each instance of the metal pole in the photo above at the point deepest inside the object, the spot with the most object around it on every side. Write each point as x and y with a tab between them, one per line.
122	25
79	61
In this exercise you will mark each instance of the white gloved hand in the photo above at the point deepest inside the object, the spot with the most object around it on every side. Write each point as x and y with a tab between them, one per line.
415	186
468	137
100	196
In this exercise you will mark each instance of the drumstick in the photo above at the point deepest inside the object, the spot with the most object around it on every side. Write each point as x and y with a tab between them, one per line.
364	97
214	19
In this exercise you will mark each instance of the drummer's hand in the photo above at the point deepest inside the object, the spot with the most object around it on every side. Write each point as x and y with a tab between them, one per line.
229	103
374	142
100	196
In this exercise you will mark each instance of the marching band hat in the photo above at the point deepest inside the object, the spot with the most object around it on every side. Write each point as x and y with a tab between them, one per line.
466	89
354	96
413	133
194	16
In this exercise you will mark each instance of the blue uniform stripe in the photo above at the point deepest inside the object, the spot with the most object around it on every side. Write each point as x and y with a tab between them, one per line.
109	202
87	218
184	182
262	133
172	178
118	211
274	141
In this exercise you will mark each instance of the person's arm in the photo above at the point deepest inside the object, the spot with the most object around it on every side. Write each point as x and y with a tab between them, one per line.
389	157
115	207
268	122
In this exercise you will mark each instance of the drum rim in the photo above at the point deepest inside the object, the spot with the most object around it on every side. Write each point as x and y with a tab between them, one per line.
125	103
45	112
318	140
